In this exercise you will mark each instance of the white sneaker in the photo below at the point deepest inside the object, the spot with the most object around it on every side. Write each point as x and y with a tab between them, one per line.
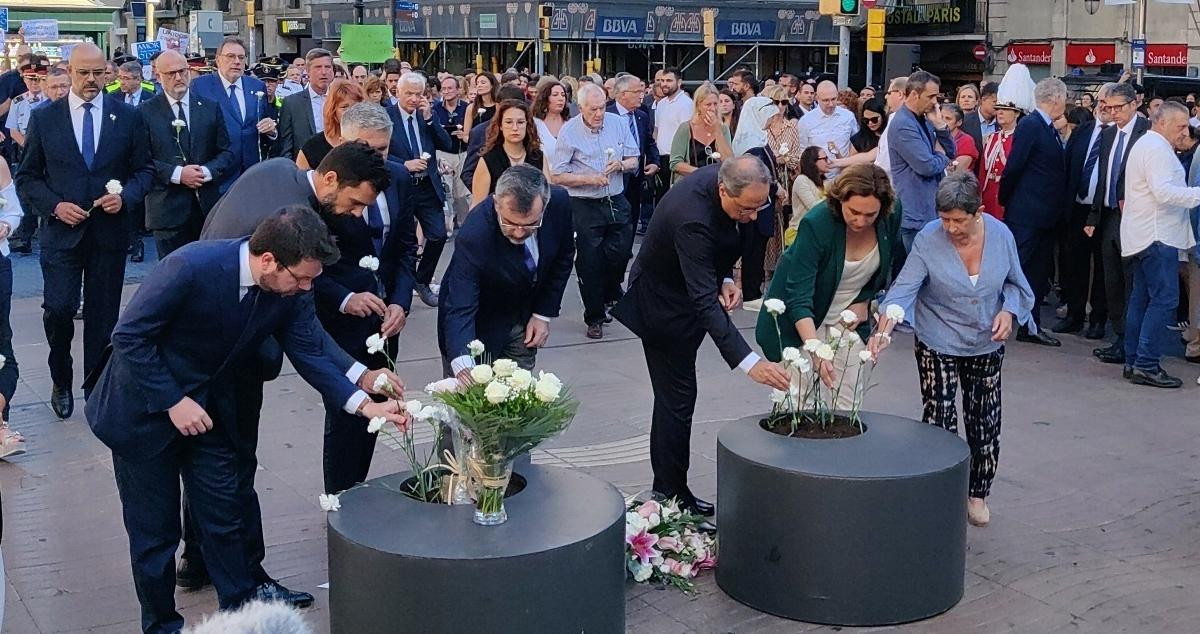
753	306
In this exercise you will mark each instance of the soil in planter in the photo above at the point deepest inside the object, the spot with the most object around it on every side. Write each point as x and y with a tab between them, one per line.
809	427
516	484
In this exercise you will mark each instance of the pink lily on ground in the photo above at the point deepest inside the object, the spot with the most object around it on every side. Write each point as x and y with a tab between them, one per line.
642	546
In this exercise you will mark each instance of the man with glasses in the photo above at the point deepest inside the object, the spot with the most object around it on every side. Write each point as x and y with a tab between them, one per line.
680	290
243	103
75	147
1105	218
34	73
894	99
628	93
505	283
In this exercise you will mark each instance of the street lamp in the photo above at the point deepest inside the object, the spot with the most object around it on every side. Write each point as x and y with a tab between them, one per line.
1092	6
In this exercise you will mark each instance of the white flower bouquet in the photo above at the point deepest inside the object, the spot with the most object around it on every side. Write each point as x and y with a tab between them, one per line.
508	412
664	545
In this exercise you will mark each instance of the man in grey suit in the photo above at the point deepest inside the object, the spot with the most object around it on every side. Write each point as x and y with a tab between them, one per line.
347	180
301	115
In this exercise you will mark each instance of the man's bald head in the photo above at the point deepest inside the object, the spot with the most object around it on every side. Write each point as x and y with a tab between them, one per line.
172	72
827	93
87	66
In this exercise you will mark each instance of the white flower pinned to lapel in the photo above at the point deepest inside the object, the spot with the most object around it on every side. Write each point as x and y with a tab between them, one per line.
259	94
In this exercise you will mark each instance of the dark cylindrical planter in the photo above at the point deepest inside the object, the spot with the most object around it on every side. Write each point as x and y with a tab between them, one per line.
869	530
397	565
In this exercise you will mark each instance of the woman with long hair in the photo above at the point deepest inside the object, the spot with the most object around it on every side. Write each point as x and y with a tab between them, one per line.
808	189
484	105
967	98
511	140
342	94
704	140
730	109
550	113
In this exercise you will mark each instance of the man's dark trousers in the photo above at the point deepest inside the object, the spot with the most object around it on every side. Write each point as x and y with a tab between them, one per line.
150	497
1084	272
1116	278
428	209
602	231
673	382
1152	301
1035	248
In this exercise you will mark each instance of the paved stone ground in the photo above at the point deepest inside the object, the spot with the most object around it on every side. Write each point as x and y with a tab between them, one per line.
1096	510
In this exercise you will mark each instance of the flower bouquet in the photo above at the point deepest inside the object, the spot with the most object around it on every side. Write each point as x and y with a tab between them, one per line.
664	545
507	412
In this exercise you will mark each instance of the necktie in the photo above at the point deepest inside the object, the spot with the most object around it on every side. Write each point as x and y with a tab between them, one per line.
89	135
129	99
1088	165
233	101
179	113
413	145
1114	170
375	226
246	305
530	263
636	139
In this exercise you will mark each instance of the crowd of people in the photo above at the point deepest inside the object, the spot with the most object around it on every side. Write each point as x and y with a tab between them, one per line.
298	208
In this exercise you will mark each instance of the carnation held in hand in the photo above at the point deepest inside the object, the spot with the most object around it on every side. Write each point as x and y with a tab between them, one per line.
864	356
375	343
849	318
369	262
825	351
475	348
375	424
775	306
382	383
895	313
811	345
113	187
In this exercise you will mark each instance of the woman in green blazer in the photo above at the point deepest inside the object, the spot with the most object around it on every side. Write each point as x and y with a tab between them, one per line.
841	258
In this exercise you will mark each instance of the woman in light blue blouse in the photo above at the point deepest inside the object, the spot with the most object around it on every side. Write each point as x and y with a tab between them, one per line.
963	288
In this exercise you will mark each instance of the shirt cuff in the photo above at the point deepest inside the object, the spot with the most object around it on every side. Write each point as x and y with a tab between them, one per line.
342	306
355	401
355	372
207	174
177	174
749	362
543	318
728	280
461	363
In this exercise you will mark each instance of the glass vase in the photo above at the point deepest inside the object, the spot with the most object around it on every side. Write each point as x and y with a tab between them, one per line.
490	475
459	490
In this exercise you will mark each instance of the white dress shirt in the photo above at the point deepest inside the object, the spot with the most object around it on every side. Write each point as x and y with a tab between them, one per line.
669	114
134	98
883	158
239	94
1157	198
381	202
404	117
820	129
1094	177
1114	162
318	110
246	280
177	173
76	102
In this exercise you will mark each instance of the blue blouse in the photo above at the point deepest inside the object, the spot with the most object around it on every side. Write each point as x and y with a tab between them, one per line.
948	313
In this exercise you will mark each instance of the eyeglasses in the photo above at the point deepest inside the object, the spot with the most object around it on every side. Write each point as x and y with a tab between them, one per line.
1114	107
300	279
529	227
174	73
750	212
234	57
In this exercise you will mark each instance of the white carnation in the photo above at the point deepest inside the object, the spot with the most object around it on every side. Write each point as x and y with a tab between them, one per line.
375	424
811	345
329	502
375	343
825	351
178	124
113	187
475	348
775	306
848	317
382	382
445	385
369	262
792	356
864	355
835	333
895	313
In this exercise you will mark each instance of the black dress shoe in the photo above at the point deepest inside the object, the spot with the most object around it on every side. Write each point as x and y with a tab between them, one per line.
137	252
62	402
706	526
427	295
1127	372
1111	354
191	575
20	247
1157	378
595	331
1068	325
1094	331
702	507
272	591
1041	339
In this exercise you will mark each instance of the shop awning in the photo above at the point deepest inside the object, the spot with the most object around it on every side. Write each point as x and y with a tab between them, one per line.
33	5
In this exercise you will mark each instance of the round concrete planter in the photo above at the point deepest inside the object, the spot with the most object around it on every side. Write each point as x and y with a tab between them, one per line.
397	565
868	530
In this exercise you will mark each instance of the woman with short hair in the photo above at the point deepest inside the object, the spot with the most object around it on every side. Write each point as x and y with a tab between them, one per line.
961	290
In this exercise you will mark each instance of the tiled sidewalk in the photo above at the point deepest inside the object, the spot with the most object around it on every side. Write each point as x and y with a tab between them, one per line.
1096	511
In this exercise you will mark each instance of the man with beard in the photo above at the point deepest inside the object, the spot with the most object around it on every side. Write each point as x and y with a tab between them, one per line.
348	179
673	109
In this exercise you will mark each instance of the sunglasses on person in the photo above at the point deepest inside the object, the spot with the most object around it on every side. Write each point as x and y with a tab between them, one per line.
780	102
875	119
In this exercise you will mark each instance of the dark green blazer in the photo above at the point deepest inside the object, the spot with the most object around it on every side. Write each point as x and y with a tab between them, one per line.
809	272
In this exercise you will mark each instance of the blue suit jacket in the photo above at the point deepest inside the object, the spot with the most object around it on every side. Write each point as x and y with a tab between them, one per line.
243	137
1034	186
645	139
181	335
52	171
917	168
397	268
487	288
433	137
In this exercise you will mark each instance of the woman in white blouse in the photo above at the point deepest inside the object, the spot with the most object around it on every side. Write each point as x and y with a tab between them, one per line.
549	114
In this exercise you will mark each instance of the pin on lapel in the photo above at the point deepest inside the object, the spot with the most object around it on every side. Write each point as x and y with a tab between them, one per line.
113	117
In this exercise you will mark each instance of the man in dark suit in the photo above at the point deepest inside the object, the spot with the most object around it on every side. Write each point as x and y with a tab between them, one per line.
345	183
415	141
161	405
242	100
680	289
1105	219
355	302
511	264
981	121
189	145
86	162
1084	268
130	90
478	135
301	115
628	91
1033	195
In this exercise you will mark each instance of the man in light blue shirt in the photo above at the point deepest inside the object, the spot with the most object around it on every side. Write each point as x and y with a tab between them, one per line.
592	154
